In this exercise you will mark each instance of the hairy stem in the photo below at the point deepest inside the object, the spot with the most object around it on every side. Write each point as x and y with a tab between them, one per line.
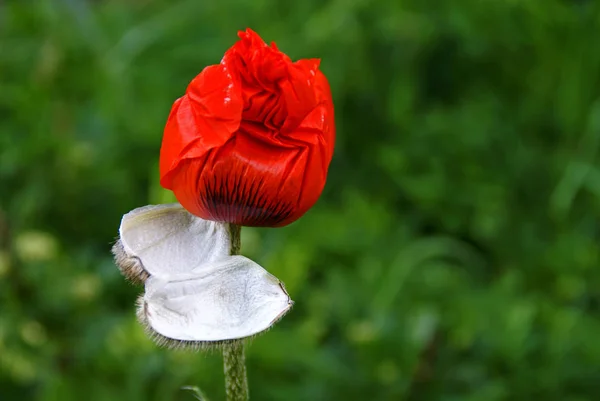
234	360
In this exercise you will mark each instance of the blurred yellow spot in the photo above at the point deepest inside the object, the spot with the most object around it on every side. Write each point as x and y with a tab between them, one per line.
48	62
4	263
21	369
33	333
362	332
82	154
86	287
36	246
387	372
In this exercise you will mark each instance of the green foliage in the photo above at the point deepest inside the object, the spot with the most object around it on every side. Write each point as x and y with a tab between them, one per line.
453	256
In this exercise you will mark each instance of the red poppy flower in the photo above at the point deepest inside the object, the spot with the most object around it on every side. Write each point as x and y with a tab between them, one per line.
251	140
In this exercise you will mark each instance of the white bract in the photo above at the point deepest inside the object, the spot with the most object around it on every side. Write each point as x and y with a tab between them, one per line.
229	299
195	291
169	240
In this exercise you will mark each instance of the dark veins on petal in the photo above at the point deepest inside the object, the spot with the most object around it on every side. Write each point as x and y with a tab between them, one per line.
239	200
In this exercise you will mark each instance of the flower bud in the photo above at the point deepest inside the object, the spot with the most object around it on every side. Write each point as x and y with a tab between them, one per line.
251	140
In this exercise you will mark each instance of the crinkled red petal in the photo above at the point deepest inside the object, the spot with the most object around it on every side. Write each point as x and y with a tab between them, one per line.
247	181
204	118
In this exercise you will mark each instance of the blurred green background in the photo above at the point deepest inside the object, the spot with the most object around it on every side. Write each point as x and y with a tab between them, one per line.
453	255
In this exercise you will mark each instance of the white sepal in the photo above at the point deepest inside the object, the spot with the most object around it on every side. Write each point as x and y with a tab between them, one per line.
168	240
223	300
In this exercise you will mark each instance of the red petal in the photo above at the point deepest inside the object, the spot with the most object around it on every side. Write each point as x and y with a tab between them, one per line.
250	38
247	181
257	179
299	92
204	118
257	63
323	94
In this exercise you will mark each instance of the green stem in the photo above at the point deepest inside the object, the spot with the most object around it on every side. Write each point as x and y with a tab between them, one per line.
234	360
